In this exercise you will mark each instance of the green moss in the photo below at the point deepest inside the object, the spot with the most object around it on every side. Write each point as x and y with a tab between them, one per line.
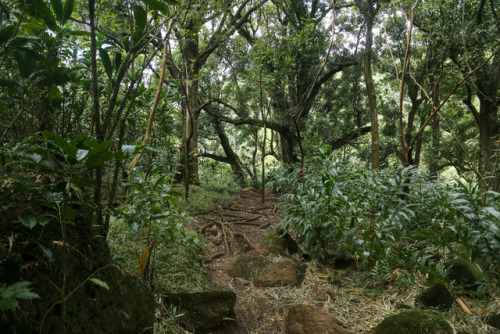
466	272
414	322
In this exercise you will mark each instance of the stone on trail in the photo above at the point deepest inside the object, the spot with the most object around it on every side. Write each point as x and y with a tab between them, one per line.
269	266
305	319
437	296
202	310
414	322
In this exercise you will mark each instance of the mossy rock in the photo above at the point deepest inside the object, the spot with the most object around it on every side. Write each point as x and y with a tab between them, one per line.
437	296
201	311
414	322
248	265
269	266
466	272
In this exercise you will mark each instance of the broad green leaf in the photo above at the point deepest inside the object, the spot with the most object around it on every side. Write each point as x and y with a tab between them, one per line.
68	10
157	5
28	221
117	60
47	253
128	149
99	147
79	33
106	62
7	33
33	26
27	295
8	303
57	7
43	220
99	282
492	211
99	159
68	213
140	17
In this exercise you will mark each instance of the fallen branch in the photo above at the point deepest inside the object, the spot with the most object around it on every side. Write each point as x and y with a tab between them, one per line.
244	237
213	256
226	244
463	306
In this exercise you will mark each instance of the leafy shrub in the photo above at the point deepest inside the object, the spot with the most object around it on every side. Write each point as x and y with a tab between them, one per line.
155	239
379	217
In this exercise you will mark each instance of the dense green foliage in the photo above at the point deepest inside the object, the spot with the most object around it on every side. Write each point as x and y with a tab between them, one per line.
339	208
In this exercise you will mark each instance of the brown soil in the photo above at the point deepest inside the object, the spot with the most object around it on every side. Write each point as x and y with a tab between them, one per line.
254	313
358	302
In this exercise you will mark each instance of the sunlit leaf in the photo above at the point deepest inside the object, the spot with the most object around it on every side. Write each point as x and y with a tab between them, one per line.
100	283
81	154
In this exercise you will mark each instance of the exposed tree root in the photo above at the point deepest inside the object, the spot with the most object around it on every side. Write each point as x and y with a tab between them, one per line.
204	227
244	237
213	256
226	244
263	226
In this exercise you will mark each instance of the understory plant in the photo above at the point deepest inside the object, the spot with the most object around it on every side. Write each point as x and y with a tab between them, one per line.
154	239
389	218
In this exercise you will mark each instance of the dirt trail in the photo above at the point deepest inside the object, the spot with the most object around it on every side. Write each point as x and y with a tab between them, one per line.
243	219
344	292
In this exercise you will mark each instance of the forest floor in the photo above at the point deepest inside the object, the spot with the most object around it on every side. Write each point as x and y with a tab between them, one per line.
344	292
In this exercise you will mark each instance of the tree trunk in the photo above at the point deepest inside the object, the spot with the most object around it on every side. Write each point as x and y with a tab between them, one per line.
489	131
436	130
369	12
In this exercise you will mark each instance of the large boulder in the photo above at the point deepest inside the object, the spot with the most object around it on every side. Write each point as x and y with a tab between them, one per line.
202	310
305	319
437	296
115	303
414	322
269	266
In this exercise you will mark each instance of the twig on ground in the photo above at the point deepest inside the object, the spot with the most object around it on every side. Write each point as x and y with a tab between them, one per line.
463	306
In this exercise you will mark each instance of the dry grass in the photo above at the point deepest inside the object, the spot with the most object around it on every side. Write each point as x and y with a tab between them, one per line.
356	302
